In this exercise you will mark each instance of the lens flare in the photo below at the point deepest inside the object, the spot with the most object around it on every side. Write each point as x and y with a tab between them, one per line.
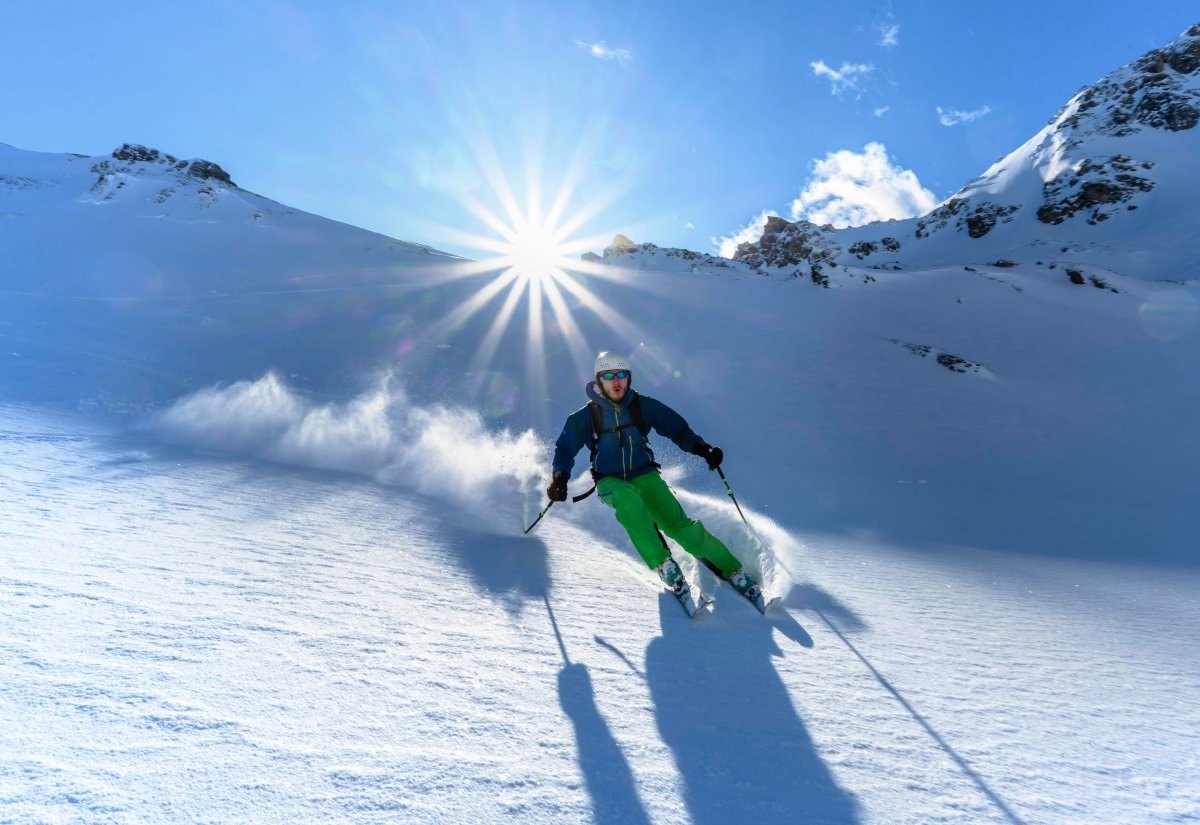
1169	314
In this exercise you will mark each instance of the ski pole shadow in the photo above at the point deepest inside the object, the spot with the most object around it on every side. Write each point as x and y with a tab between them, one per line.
741	749
605	770
786	624
842	620
954	755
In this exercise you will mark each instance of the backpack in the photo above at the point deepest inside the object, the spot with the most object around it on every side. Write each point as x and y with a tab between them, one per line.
635	410
597	416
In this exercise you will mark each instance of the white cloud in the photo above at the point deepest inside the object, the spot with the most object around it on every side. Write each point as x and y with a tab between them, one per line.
882	110
603	52
953	117
889	35
847	77
849	189
750	233
689	225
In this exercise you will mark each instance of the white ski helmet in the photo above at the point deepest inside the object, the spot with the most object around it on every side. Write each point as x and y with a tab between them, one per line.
610	361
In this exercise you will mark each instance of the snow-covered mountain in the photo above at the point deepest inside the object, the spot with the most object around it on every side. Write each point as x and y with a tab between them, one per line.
140	253
1105	188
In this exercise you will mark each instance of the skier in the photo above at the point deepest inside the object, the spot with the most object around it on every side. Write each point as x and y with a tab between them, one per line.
614	424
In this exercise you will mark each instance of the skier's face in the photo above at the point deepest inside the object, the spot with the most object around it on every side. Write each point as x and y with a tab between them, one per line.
615	387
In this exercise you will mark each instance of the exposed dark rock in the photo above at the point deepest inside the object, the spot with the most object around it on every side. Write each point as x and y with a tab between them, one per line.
985	215
1095	184
133	153
1003	263
1165	110
978	220
954	363
861	249
136	153
1187	60
207	170
940	217
1076	277
1155	95
785	245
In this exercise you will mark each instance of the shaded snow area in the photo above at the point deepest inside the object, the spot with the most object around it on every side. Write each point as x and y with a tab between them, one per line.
207	639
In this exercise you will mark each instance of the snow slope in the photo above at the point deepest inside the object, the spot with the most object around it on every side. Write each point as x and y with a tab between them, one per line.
198	639
264	480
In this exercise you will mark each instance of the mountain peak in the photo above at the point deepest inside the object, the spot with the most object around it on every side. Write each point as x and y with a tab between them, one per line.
786	244
1160	90
199	168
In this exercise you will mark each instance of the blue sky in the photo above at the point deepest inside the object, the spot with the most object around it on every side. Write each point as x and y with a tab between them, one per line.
672	122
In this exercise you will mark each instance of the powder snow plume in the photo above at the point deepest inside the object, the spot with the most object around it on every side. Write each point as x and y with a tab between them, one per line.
436	451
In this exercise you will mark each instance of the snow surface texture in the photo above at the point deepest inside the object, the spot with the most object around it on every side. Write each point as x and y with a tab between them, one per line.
206	640
265	478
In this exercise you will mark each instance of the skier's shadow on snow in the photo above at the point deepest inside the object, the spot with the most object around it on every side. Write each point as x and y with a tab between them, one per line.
743	752
609	778
512	569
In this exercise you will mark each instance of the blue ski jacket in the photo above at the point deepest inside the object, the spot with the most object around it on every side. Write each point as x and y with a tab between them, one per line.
620	449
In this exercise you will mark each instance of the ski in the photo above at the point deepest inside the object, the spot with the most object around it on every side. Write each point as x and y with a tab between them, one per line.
693	601
760	602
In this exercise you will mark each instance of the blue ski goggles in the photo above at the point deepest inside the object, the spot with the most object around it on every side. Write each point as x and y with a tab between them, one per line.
609	376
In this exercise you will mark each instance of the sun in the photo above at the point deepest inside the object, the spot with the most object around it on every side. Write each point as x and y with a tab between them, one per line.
535	251
535	270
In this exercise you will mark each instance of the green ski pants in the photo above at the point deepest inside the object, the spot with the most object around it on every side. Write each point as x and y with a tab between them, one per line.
646	501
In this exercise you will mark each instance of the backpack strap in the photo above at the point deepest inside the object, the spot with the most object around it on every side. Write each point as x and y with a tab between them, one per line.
635	411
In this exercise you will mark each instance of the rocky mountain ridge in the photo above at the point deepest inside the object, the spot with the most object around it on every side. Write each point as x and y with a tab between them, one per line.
132	161
1106	183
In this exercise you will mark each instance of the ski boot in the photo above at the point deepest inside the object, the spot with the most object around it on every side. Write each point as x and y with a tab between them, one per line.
749	588
672	576
693	601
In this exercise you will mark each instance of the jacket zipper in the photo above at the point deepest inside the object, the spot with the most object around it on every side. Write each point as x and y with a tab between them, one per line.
621	443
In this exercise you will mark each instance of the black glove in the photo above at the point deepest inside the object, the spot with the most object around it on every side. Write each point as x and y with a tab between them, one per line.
709	453
557	491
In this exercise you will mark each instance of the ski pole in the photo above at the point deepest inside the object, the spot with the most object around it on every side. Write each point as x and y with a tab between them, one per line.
539	518
729	490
